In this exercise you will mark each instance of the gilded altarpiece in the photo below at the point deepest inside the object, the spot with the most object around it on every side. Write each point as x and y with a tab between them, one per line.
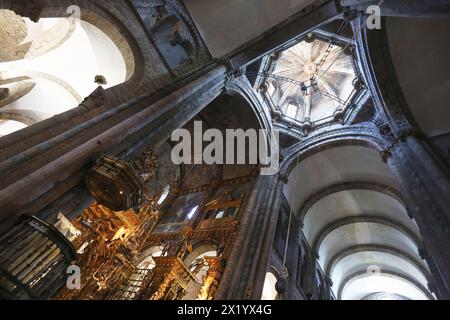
111	244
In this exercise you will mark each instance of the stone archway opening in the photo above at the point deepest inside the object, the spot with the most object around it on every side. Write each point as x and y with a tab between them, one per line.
269	291
49	67
357	225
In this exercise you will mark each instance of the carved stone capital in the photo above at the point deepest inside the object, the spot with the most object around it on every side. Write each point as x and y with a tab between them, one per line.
350	14
284	178
385	129
385	155
307	127
423	253
95	99
275	56
410	132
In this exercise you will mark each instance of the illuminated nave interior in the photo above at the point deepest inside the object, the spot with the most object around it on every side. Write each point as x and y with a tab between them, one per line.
353	205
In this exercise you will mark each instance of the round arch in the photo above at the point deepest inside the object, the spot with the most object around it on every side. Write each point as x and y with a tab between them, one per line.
372	259
335	167
374	248
147	254
48	88
199	250
269	290
357	136
387	281
242	87
24	116
347	235
323	233
348	186
102	17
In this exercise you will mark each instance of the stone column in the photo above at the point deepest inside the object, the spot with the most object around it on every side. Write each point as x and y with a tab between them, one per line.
71	204
46	172
245	270
423	178
426	191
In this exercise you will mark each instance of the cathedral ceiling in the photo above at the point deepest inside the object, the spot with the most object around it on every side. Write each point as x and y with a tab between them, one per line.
333	166
227	24
25	39
225	112
311	81
390	286
390	262
351	205
353	216
43	71
420	52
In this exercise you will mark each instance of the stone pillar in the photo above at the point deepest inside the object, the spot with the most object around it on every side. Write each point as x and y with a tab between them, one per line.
426	191
310	287
246	267
48	171
423	178
71	204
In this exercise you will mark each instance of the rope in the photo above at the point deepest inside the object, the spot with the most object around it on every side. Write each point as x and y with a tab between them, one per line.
291	211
